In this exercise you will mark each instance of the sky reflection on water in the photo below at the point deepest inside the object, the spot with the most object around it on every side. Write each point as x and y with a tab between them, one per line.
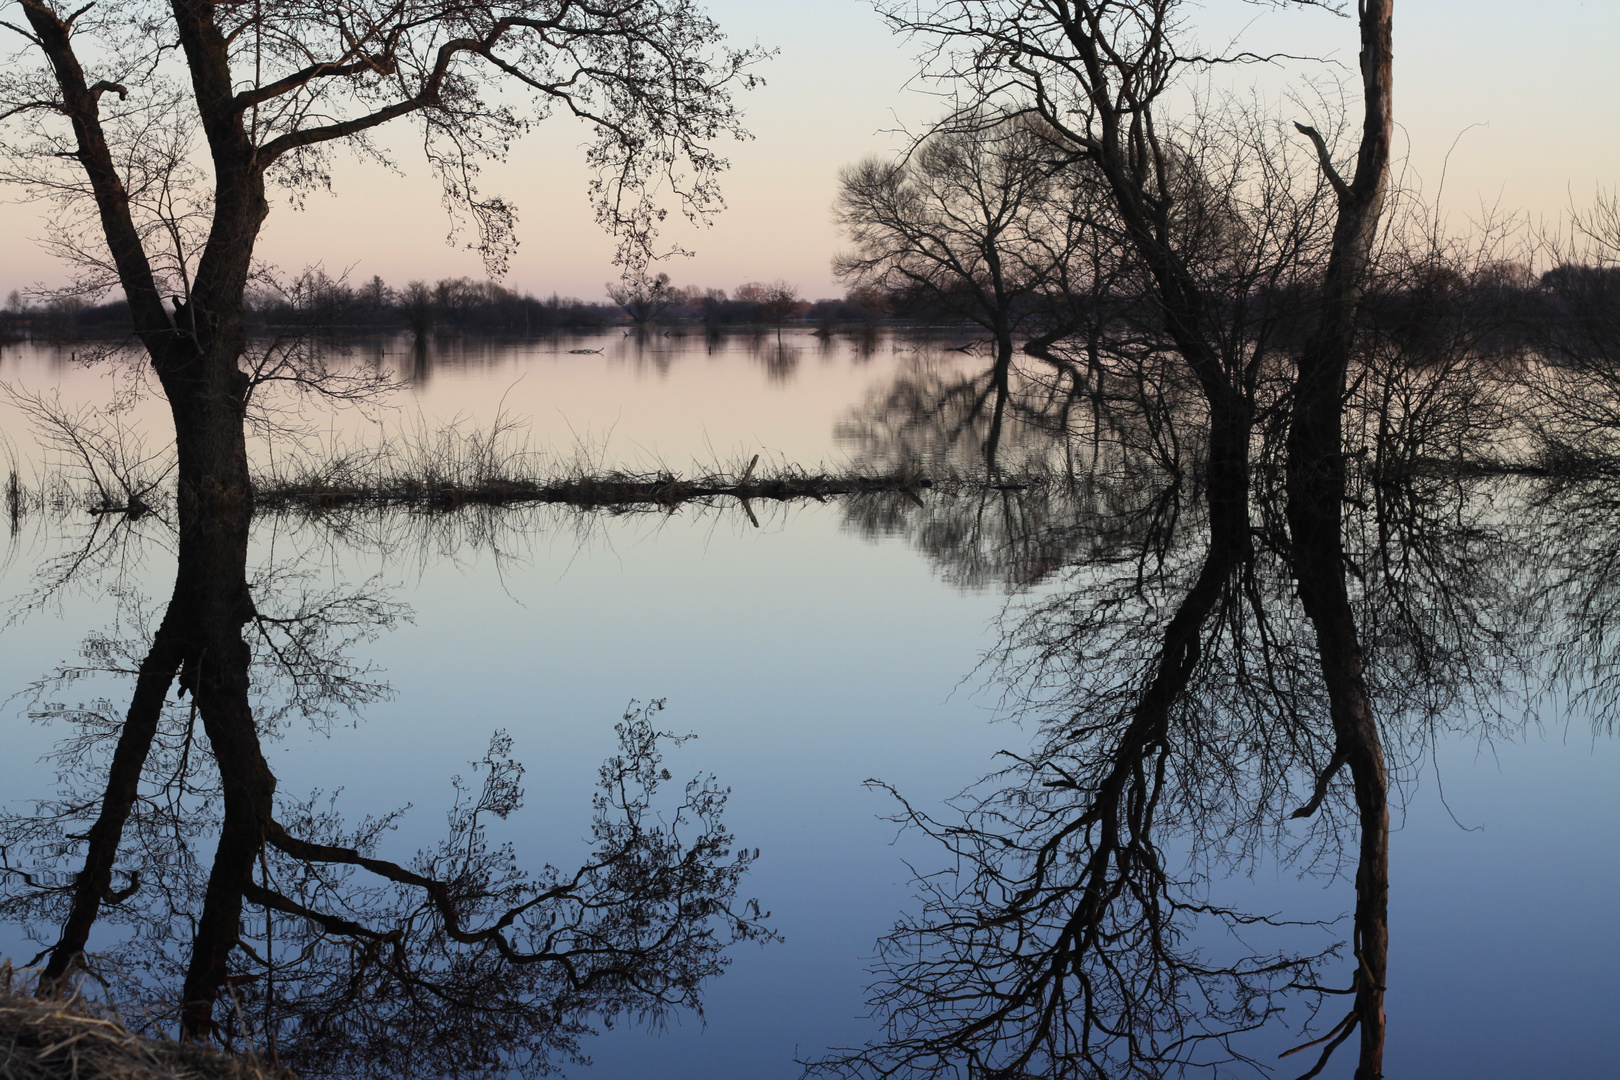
631	402
809	656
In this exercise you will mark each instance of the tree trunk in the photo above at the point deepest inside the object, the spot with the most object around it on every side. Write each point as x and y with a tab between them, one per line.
1000	378
201	636
1316	490
1318	555
215	504
207	393
94	883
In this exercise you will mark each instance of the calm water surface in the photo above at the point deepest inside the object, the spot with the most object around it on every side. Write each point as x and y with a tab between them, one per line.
619	400
846	641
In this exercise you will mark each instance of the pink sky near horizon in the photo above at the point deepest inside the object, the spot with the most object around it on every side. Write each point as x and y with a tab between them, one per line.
1475	100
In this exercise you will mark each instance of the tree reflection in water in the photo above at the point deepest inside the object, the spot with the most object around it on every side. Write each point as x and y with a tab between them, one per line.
1201	661
1194	667
299	937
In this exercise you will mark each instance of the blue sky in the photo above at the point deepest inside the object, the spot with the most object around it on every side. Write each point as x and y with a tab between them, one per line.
1522	97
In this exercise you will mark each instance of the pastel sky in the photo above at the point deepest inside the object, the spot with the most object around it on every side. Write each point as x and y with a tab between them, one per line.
1523	97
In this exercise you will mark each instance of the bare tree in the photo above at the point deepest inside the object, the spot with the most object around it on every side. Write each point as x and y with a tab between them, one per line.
781	303
1179	691
417	300
1093	78
110	110
1058	938
972	221
953	221
104	107
1217	225
643	297
1316	489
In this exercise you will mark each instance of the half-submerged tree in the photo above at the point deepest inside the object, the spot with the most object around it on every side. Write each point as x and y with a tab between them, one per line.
1222	228
643	297
781	304
977	221
1216	214
160	131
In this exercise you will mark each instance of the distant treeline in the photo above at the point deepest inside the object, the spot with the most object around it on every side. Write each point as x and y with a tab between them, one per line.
1506	300
462	305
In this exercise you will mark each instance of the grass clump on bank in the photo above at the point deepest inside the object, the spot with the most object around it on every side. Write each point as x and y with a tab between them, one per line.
72	1039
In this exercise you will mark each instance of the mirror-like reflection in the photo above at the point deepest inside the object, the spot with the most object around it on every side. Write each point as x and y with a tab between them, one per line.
294	933
1204	703
1217	683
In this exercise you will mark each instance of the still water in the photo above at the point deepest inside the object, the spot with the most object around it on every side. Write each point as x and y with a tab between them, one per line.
910	641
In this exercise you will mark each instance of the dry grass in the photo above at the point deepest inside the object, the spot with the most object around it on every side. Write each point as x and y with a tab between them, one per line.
75	1040
616	489
450	467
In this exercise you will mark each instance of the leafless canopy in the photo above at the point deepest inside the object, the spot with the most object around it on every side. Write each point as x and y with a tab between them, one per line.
99	106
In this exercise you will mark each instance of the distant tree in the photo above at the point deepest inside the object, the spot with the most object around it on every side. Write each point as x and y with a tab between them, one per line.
644	298
319	299
949	221
710	305
417	301
376	294
976	221
868	298
454	297
780	303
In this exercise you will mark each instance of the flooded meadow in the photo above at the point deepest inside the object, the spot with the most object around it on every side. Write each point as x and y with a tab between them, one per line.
730	786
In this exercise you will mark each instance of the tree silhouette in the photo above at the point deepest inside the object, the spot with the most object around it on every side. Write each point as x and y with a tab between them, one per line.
456	961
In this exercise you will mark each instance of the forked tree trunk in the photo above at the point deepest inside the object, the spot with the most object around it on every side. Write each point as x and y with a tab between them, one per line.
207	390
196	352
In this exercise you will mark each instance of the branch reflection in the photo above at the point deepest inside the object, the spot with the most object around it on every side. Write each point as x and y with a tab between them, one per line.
296	935
1192	655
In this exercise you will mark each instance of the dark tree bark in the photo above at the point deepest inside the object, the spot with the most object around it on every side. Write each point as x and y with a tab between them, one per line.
1316	491
218	679
94	882
638	71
